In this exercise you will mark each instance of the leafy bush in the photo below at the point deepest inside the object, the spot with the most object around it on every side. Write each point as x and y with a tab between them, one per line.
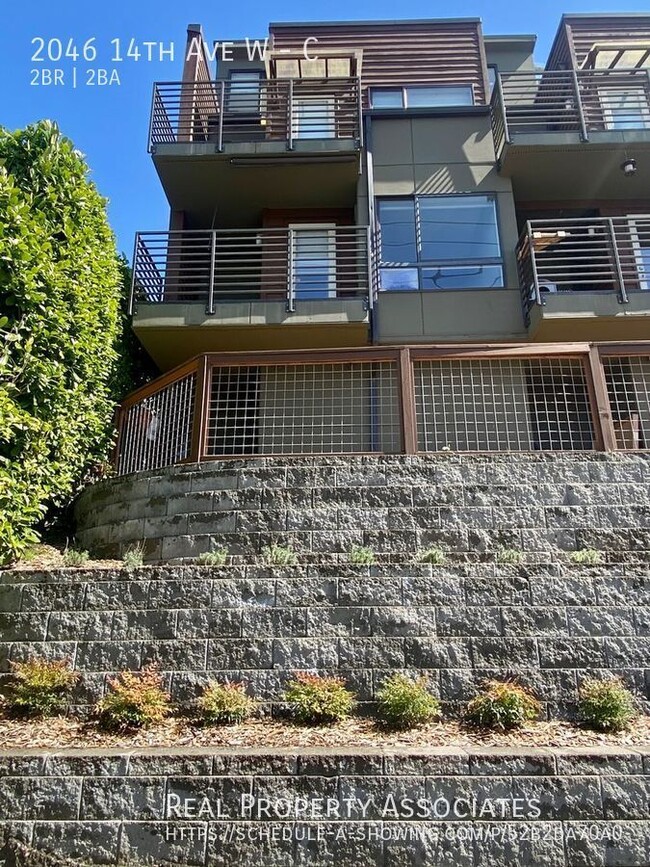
314	699
433	555
606	705
225	703
41	687
279	555
586	557
75	557
361	556
216	557
509	557
405	703
133	557
60	290
136	700
502	705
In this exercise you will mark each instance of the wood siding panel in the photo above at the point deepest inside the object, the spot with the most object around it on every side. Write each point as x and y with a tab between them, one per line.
577	35
399	54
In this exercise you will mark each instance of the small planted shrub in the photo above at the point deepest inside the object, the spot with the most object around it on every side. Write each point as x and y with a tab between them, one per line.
586	557
41	687
136	700
134	556
502	705
361	556
435	556
75	557
314	700
279	555
225	704
509	557
405	703
216	557
606	705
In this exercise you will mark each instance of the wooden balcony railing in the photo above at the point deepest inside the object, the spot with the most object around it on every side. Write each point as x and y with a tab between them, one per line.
282	110
583	101
288	264
390	400
593	254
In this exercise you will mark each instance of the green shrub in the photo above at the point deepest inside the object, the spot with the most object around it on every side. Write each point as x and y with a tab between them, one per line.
435	556
136	699
41	687
216	557
60	291
314	699
509	557
405	703
361	556
225	703
279	555
502	705
586	557
75	557
606	705
133	557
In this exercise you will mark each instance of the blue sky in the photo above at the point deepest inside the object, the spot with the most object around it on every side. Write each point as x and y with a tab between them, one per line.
109	123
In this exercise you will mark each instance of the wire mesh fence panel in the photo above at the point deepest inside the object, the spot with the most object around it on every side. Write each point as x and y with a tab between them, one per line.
322	408
157	431
525	404
628	387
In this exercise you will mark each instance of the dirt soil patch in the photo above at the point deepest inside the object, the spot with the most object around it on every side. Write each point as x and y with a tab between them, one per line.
61	733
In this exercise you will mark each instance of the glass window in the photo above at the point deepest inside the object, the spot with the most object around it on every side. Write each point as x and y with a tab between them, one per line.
439	242
244	92
385	98
421	97
492	78
625	108
428	97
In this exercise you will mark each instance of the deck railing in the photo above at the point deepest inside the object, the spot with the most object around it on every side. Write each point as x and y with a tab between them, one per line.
283	110
390	400
290	264
583	101
592	254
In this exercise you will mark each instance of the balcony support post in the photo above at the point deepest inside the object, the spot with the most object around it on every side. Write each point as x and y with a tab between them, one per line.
222	108
533	264
290	116
200	415
213	257
407	402
136	245
360	111
622	292
584	135
370	271
604	433
502	105
291	289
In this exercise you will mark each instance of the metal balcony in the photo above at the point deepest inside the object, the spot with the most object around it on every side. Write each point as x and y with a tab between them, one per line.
585	102
592	255
286	264
287	111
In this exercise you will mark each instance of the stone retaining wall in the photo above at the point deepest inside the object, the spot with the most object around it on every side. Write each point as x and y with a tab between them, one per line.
559	808
542	503
551	625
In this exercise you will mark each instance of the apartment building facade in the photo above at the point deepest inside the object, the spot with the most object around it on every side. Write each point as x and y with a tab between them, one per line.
409	235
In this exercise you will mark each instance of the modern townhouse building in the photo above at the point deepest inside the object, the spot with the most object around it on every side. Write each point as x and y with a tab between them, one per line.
398	236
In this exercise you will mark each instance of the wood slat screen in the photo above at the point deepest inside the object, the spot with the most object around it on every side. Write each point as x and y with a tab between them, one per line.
398	54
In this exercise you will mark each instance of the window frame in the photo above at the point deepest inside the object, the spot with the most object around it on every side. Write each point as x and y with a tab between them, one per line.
405	88
421	265
231	98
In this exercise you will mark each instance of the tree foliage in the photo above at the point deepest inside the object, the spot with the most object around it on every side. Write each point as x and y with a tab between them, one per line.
60	328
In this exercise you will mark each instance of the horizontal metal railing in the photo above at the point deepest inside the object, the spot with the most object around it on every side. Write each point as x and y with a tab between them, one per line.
391	400
285	110
582	101
208	266
592	254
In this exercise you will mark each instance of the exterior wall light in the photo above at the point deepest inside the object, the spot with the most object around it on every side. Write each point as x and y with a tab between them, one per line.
628	167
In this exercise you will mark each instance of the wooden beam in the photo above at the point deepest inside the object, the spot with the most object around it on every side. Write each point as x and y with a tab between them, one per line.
407	403
599	399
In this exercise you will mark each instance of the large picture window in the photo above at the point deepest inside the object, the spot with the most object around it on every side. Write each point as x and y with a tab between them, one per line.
439	242
421	96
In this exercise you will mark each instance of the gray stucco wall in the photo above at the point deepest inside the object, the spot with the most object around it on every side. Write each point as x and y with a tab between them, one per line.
559	808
